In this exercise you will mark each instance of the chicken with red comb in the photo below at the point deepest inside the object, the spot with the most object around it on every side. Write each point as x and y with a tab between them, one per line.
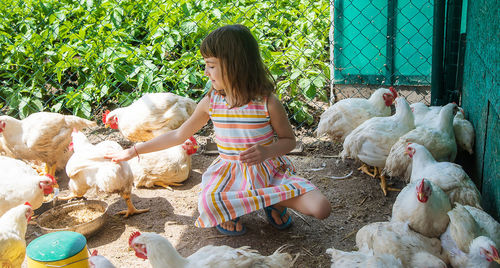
88	168
424	206
150	116
161	254
99	261
21	183
164	168
340	119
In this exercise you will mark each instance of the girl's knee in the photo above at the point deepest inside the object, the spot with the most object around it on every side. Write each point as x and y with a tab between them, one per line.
323	209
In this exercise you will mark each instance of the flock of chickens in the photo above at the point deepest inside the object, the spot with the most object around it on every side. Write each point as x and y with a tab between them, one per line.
57	141
437	218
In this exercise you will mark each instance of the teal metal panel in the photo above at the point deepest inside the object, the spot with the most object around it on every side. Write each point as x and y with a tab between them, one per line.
491	166
360	41
412	59
383	41
480	97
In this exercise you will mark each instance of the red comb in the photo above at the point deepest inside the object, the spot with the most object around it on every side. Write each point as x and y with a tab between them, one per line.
27	204
94	252
193	140
420	186
104	115
132	236
393	91
51	177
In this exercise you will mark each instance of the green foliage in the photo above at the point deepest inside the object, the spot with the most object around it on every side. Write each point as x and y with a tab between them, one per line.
81	56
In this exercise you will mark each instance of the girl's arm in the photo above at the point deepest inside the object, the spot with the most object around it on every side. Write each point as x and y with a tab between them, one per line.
174	137
286	139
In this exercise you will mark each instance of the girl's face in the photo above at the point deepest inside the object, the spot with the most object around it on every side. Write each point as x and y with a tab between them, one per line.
214	72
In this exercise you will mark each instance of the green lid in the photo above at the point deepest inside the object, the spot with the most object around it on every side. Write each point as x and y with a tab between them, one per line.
56	246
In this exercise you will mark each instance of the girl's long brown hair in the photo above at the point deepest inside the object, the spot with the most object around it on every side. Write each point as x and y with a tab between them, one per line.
241	64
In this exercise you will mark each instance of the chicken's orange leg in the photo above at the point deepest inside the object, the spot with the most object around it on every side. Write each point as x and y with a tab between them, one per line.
365	169
383	185
131	210
166	185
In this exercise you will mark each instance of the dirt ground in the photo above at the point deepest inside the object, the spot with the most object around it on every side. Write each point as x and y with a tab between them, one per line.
356	201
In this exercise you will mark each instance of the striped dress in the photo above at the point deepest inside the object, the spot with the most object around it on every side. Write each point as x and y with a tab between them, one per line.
231	188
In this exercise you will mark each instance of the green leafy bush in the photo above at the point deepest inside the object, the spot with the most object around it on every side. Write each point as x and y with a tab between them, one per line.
82	56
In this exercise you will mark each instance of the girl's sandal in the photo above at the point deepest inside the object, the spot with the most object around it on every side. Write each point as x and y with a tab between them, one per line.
271	221
232	233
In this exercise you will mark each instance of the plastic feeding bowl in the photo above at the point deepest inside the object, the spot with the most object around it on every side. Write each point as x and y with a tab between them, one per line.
85	217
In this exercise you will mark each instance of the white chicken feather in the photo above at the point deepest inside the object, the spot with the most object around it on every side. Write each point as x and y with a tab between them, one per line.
150	116
424	206
345	115
439	140
396	238
450	177
87	168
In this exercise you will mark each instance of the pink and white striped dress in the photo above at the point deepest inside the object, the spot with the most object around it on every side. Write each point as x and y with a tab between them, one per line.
231	188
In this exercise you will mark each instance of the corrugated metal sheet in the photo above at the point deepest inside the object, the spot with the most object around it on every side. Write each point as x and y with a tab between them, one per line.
481	97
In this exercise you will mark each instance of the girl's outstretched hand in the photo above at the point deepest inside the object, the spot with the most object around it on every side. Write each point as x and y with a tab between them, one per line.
122	155
255	154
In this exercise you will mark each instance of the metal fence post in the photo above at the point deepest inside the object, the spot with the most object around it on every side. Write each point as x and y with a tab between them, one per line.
437	84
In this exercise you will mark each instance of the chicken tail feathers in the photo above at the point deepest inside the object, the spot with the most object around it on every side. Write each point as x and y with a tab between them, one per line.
78	122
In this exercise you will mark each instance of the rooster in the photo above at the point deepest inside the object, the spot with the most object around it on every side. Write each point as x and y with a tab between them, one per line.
450	177
150	116
87	168
439	140
371	141
162	254
40	137
20	183
345	115
13	226
164	168
424	206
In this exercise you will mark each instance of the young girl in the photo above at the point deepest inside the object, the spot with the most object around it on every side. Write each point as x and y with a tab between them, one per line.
251	171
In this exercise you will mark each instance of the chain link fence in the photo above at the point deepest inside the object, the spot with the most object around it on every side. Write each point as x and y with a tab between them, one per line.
81	57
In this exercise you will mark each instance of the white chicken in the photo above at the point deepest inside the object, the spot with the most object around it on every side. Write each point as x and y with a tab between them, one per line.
439	140
99	261
345	115
164	168
396	238
162	254
464	132
425	115
21	183
13	226
87	168
40	137
466	242
151	115
450	177
424	206
371	141
359	259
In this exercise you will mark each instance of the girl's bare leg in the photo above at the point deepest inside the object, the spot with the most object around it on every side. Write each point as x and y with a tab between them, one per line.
312	203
